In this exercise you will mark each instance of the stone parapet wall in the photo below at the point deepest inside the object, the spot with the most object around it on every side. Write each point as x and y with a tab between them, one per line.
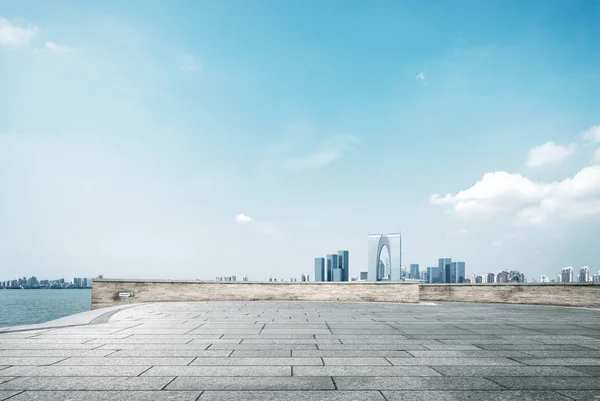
111	292
586	295
106	292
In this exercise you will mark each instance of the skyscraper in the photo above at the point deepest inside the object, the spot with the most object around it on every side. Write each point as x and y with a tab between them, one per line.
460	272
567	275
343	263
332	263
502	277
414	271
444	266
584	274
319	269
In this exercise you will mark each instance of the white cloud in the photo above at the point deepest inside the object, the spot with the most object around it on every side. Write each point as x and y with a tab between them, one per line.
13	33
532	203
243	219
592	135
56	48
596	157
421	76
498	242
549	153
260	227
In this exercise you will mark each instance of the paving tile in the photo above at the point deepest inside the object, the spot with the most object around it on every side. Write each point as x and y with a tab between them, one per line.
292	396
5	394
548	383
88	383
589	370
532	347
356	361
560	361
257	361
129	361
562	354
107	396
219	371
467	354
415	383
251	383
473	396
493	371
581	394
351	354
263	353
264	346
364	371
61	354
73	370
174	353
454	361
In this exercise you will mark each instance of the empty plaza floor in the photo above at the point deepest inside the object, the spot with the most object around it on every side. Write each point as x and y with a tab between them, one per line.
321	351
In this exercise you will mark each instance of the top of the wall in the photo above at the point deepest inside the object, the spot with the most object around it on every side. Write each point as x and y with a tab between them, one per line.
119	280
511	284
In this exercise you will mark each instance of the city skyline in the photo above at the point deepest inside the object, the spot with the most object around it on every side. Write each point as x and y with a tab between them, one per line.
142	140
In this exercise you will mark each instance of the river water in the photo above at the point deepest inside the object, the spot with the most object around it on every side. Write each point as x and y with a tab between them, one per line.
18	307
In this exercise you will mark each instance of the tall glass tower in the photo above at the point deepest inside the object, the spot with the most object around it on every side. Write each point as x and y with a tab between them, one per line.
444	264
343	259
319	269
332	263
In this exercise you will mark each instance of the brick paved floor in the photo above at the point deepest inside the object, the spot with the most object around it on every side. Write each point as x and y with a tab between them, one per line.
304	351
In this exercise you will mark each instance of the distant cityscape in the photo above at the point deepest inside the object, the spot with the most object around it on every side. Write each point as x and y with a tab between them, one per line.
32	283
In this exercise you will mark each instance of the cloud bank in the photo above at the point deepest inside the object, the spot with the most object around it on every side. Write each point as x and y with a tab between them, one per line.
530	202
549	153
16	33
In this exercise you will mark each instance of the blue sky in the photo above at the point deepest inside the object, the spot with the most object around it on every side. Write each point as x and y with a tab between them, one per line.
133	135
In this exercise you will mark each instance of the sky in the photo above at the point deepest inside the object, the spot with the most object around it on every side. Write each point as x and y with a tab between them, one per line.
195	139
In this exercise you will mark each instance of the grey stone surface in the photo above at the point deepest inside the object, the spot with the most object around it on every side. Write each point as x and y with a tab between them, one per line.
356	361
282	350
493	371
120	361
453	361
391	371
415	383
252	383
473	396
292	396
88	383
107	396
560	361
7	394
257	361
549	383
229	371
581	394
73	371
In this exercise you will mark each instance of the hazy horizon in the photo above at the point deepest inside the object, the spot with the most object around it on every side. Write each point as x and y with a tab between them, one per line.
184	140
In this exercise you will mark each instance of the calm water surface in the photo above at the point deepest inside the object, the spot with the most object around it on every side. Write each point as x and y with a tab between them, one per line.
19	307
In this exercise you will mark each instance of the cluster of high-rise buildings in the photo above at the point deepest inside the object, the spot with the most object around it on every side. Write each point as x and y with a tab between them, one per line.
334	267
570	275
33	283
231	278
446	271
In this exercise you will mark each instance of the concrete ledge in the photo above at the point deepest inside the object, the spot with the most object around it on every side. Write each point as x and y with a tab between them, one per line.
572	294
111	292
106	292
